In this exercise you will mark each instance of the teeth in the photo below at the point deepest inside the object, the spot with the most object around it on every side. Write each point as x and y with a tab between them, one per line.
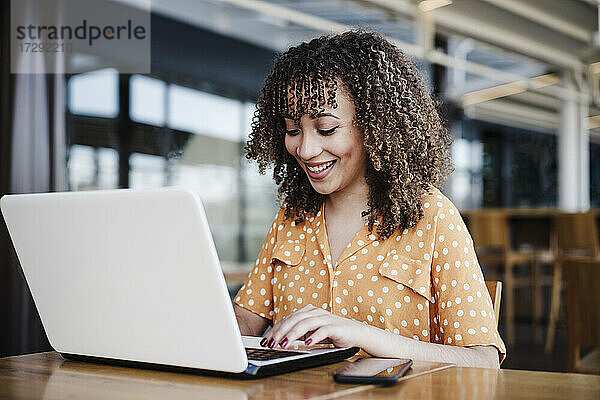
320	167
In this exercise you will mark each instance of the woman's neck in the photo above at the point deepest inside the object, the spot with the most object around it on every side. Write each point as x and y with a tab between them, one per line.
349	202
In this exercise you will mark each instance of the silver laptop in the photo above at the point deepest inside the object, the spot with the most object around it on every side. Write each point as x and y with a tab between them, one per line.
132	277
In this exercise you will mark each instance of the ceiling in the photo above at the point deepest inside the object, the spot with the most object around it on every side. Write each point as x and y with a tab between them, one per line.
490	42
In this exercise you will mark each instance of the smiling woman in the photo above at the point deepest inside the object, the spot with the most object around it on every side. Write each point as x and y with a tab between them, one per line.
365	250
329	147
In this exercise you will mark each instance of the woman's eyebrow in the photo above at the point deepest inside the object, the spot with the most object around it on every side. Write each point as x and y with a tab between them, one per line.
319	115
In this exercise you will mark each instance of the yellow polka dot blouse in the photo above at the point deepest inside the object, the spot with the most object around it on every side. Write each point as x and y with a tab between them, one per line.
424	283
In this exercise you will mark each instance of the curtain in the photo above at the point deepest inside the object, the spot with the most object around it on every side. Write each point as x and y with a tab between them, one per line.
33	149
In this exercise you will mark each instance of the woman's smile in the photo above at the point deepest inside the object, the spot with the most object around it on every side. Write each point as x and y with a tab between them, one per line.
319	170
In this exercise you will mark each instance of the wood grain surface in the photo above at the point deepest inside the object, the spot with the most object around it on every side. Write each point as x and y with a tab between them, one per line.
49	376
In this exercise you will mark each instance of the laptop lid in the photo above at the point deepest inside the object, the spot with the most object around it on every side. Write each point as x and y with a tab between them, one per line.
127	274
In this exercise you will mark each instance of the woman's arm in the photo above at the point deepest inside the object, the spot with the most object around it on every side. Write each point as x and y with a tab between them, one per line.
344	332
380	343
250	324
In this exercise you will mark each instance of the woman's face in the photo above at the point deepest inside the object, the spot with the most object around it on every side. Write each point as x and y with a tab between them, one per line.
328	147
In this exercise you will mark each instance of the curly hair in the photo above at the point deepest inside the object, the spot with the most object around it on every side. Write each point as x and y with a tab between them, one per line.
406	144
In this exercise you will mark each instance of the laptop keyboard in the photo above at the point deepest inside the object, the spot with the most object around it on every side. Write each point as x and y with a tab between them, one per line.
269	354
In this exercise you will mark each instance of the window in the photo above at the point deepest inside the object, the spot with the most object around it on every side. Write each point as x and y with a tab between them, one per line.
93	168
95	93
465	183
248	115
208	132
147	100
147	171
204	113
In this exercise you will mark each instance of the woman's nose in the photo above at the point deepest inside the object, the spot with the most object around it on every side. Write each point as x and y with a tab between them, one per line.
310	145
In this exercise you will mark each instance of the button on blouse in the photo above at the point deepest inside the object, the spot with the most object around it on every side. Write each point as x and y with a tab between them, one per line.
424	282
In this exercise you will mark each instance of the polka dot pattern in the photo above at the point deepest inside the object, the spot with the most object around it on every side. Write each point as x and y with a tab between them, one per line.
423	283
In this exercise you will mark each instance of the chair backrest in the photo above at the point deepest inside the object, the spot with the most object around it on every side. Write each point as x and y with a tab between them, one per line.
583	307
495	290
576	233
489	229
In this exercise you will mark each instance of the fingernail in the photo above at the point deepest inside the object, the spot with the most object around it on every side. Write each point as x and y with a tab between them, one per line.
284	342
271	343
309	341
263	342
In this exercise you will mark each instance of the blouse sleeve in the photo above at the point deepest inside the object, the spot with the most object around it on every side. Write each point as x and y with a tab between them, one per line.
256	294
465	312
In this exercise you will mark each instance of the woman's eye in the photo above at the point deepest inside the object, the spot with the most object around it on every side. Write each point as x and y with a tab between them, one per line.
292	132
327	131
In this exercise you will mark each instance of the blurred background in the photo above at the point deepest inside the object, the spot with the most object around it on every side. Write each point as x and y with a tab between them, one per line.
519	85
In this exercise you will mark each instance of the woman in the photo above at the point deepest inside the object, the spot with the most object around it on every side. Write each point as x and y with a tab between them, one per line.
365	251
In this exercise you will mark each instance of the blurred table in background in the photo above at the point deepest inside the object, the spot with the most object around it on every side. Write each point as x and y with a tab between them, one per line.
506	239
551	236
235	273
583	314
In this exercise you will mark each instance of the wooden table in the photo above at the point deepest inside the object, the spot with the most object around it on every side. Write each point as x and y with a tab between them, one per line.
49	376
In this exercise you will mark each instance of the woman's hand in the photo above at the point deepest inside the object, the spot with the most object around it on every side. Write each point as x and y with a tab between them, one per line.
318	325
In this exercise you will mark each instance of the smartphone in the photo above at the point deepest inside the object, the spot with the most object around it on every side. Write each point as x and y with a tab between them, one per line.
385	371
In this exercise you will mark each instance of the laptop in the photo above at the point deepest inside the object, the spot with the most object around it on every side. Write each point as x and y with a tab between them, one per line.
132	277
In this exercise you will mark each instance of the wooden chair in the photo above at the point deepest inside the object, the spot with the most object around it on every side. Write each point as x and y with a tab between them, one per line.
491	237
535	229
577	235
583	314
495	290
576	239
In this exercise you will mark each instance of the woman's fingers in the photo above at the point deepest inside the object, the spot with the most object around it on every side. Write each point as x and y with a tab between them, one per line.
293	328
317	336
317	326
277	335
303	326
